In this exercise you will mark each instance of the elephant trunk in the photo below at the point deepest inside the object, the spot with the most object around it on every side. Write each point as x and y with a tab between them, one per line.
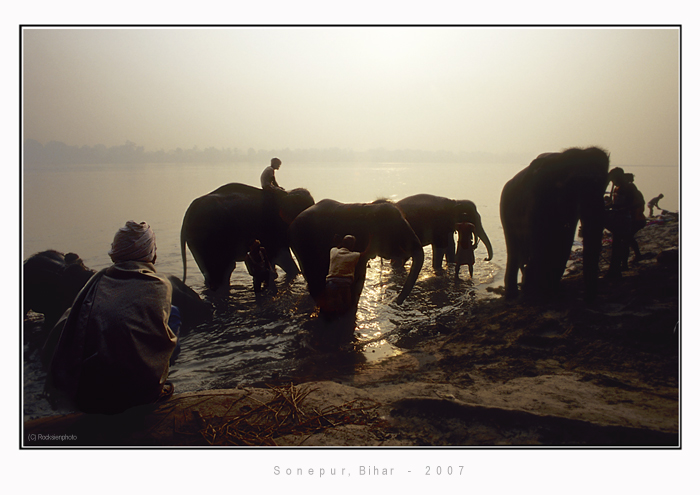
417	257
481	233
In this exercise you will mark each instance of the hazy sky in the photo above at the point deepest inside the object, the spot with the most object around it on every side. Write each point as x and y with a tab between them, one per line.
499	90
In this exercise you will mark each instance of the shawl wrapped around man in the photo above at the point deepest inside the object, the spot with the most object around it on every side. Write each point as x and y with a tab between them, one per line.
114	349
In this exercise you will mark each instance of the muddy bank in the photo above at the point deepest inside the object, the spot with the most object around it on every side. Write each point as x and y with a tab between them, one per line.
556	373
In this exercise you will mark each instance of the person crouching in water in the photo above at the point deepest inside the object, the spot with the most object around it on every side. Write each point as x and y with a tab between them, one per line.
466	244
115	343
260	267
338	295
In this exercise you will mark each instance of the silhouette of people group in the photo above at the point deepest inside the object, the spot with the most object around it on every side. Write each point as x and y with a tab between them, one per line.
624	218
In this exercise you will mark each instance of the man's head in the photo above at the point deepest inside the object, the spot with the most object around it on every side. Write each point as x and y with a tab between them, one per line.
276	162
134	242
616	176
348	242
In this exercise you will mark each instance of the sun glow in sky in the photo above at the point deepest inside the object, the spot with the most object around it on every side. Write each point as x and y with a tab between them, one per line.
494	90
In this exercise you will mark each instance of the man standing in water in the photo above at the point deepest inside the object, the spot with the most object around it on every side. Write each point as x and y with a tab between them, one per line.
267	178
466	244
115	344
338	295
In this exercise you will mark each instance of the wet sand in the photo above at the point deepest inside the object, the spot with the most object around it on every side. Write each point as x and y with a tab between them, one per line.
505	374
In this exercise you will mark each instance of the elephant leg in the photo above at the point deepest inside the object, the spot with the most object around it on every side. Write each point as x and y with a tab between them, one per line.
625	253
226	280
438	255
398	263
359	283
451	249
562	256
616	256
511	277
286	262
635	247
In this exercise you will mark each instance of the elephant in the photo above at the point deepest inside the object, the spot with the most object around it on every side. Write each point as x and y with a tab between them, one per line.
52	280
221	226
540	208
433	219
379	228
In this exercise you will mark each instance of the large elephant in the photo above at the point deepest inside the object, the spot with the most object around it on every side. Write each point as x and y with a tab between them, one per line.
380	229
220	227
540	208
433	219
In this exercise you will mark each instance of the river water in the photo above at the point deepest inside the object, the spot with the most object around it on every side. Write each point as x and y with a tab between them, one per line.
252	341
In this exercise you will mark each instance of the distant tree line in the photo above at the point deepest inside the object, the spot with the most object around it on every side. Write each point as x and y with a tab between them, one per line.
55	152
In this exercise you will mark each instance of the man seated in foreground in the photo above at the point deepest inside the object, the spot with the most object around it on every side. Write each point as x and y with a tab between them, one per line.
115	343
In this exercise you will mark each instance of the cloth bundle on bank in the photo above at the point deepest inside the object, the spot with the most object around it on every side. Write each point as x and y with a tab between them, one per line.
115	343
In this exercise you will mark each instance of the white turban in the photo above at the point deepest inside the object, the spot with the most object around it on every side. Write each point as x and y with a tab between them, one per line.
134	242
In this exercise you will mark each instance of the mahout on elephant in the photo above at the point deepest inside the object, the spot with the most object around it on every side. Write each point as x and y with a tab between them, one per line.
52	280
219	228
379	229
434	220
540	209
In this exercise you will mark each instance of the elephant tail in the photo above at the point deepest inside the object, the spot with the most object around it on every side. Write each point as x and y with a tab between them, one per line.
183	241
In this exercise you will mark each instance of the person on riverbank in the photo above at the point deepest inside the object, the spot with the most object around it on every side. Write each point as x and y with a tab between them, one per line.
267	178
466	244
115	342
260	267
625	217
654	203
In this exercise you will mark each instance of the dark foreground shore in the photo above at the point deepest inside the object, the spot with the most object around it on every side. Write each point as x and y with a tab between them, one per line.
560	373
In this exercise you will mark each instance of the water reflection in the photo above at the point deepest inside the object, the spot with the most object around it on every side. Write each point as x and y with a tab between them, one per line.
280	336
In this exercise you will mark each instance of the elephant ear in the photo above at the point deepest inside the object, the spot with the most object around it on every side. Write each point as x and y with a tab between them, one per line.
292	203
286	217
